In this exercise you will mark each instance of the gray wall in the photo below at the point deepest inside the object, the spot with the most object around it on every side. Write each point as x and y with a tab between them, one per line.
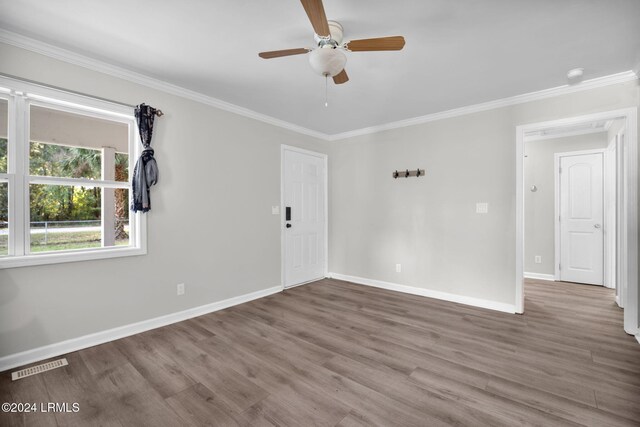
211	225
429	224
539	206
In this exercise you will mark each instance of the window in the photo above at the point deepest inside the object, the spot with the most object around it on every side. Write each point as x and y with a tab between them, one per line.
4	178
64	177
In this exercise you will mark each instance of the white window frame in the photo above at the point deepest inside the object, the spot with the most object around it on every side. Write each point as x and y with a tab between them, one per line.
20	96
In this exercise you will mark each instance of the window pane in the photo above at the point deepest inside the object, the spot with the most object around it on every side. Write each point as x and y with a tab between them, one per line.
122	230
4	219
116	222
65	217
4	119
70	145
122	167
61	161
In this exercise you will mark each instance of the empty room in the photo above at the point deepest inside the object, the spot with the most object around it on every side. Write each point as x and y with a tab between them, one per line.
319	212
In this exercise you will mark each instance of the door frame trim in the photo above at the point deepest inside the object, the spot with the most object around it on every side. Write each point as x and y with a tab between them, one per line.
325	158
630	255
556	209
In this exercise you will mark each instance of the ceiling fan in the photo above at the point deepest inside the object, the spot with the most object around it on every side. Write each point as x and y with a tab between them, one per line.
328	58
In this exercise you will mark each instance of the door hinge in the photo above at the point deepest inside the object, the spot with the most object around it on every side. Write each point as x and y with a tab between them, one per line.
559	170
559	266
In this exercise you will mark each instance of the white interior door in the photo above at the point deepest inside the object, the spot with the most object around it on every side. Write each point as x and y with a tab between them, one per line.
581	204
304	216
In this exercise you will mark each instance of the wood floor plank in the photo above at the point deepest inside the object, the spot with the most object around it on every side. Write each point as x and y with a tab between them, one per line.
304	374
507	340
28	390
235	390
134	401
199	406
353	419
555	405
155	365
432	345
7	418
625	407
249	360
75	383
338	339
337	353
627	361
483	400
398	386
102	357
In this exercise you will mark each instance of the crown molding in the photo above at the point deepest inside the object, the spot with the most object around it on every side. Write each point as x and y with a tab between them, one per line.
599	82
70	57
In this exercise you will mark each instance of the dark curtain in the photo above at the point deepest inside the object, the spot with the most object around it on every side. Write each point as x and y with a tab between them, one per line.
145	174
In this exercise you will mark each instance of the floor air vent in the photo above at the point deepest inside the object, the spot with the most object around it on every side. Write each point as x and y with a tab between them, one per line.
40	368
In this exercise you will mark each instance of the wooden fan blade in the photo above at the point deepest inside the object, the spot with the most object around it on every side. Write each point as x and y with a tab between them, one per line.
341	77
380	43
285	52
315	12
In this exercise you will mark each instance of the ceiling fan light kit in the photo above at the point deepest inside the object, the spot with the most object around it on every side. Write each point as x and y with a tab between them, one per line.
327	61
328	58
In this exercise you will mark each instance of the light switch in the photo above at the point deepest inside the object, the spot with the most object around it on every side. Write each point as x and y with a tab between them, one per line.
482	207
275	210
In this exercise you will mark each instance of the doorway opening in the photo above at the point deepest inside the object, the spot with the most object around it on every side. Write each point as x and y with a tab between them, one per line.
576	205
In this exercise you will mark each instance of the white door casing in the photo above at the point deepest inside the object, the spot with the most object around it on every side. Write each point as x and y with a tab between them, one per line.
303	216
610	214
627	208
621	237
581	216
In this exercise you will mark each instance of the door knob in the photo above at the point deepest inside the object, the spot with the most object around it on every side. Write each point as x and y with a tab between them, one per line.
597	225
288	225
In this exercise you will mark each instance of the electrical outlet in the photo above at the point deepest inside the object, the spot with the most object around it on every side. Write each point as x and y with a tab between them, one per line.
538	259
398	268
180	289
482	207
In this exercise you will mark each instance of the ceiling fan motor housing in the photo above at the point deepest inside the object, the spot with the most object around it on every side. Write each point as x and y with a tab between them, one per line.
337	34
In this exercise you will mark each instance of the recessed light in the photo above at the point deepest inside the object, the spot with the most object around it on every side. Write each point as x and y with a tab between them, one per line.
575	73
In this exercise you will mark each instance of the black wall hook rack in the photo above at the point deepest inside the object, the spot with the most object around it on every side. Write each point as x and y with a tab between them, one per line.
407	173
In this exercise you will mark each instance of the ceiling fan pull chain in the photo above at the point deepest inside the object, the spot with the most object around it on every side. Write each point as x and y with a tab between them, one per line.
326	90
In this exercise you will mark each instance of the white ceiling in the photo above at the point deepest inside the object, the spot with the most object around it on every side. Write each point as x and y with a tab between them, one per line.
457	53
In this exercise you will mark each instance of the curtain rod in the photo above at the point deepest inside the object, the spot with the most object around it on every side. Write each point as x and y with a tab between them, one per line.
159	113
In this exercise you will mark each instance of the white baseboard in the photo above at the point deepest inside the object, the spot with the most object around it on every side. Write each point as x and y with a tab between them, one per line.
75	344
638	338
540	276
476	302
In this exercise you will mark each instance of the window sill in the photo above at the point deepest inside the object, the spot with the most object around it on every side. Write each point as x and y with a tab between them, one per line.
61	257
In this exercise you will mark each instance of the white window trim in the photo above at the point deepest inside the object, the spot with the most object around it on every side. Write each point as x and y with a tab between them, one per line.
20	96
